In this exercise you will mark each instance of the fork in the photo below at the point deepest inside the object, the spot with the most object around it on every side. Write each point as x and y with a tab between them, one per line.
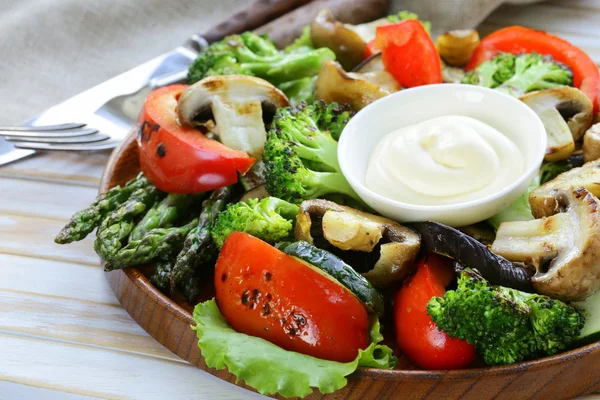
65	137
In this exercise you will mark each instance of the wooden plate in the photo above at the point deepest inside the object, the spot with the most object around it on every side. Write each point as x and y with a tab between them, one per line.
562	376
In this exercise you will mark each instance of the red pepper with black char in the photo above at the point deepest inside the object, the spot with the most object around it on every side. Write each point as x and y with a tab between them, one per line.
179	159
518	39
418	337
263	292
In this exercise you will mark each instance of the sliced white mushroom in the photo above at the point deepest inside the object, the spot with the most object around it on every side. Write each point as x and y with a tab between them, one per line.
239	105
566	113
564	248
353	88
386	248
591	143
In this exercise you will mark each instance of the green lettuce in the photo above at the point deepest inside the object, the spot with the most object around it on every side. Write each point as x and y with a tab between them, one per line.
519	210
270	369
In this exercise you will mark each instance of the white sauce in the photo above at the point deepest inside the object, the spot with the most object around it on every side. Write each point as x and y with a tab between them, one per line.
444	160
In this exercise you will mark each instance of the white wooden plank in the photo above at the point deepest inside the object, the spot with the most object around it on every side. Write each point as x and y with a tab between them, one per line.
71	167
55	279
44	199
108	374
34	237
14	391
76	321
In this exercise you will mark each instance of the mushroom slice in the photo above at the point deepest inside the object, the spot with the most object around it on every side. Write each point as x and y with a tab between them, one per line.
566	113
456	47
564	248
356	89
591	143
452	74
543	200
239	105
383	250
348	42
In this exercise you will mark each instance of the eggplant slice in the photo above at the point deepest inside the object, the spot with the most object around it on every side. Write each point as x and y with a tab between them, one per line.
469	252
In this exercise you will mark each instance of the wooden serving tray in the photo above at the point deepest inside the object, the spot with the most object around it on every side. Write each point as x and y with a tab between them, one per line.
562	376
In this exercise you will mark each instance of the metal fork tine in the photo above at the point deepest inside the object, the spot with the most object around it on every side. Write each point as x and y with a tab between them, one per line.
60	140
106	145
45	128
47	134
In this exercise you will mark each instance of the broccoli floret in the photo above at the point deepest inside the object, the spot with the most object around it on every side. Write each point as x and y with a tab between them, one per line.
251	54
551	169
269	219
302	43
505	325
301	152
493	73
517	75
404	15
299	90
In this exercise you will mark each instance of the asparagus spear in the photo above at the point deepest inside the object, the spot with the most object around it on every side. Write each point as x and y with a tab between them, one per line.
198	247
115	228
84	221
164	214
192	287
161	274
159	242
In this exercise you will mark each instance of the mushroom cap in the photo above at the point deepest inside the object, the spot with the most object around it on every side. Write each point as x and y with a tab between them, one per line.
356	89
352	230
591	143
237	104
544	201
346	43
566	113
574	273
456	47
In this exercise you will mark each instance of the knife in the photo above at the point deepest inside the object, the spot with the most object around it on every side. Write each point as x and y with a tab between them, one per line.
284	26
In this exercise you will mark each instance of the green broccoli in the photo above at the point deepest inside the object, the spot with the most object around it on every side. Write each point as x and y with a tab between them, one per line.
302	43
301	152
404	15
299	90
505	325
252	54
551	169
270	219
517	75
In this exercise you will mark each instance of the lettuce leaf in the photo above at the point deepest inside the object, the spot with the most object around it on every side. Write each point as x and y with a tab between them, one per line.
270	369
519	210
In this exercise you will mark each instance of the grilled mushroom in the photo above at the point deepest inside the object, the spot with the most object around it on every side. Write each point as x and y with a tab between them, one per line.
348	42
456	47
353	88
564	248
543	200
591	143
382	249
239	105
566	113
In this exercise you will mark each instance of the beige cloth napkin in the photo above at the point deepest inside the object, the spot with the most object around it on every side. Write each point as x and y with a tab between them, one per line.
51	50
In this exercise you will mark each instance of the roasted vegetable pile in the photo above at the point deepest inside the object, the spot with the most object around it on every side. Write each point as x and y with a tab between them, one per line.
241	191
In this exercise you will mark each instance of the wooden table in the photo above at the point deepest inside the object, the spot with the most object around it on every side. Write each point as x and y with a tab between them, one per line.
63	335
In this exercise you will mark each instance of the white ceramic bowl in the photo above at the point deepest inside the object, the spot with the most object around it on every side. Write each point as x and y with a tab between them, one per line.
507	114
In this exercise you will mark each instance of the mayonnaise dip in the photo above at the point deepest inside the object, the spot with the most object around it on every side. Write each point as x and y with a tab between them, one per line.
444	160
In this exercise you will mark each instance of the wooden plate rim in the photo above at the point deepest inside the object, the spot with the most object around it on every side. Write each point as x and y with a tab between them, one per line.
144	285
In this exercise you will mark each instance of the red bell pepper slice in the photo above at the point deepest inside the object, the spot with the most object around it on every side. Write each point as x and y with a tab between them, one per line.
518	39
179	159
409	54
